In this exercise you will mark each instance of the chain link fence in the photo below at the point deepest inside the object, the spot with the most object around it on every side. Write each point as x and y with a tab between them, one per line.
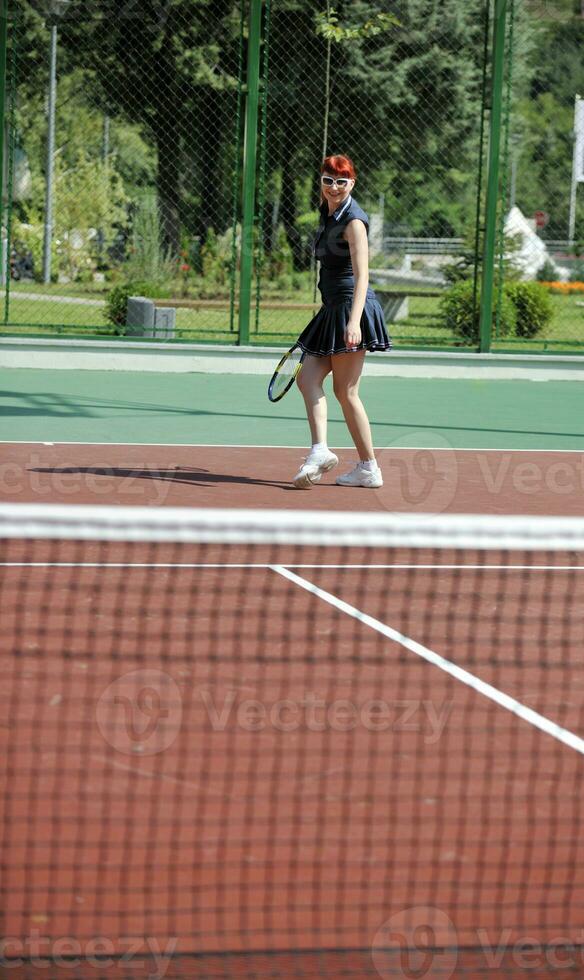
540	222
154	149
142	123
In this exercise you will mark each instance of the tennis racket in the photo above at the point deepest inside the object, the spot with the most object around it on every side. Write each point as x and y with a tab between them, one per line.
285	374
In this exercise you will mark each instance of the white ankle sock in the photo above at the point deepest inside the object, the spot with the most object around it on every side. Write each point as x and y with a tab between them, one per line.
369	464
319	447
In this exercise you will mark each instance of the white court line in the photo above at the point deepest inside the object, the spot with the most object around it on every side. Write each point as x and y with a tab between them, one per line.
161	445
303	448
137	564
464	676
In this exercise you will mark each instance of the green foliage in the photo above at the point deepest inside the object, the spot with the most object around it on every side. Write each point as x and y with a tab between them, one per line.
147	258
29	237
462	318
544	114
117	300
79	128
524	309
545	159
133	156
546	272
306	223
89	197
281	260
533	307
577	271
404	102
216	258
329	27
461	269
509	267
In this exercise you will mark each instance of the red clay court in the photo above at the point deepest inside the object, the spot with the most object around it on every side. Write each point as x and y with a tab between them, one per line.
287	734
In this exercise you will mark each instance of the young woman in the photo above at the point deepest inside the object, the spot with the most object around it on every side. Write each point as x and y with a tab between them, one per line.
349	323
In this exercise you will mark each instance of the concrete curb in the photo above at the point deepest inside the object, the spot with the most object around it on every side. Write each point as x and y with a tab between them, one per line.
134	355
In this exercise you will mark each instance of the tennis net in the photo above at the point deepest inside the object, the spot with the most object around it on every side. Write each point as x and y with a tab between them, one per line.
277	744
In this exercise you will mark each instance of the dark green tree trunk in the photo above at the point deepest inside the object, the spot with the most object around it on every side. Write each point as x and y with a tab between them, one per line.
214	185
168	185
288	206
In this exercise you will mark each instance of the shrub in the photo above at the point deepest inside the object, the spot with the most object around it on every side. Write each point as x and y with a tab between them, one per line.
546	272
533	307
28	237
525	309
147	259
577	271
212	261
117	300
460	316
461	269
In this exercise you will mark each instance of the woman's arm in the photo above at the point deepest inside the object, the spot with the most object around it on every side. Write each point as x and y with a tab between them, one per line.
356	235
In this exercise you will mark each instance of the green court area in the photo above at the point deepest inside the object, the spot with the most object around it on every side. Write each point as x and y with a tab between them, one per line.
214	409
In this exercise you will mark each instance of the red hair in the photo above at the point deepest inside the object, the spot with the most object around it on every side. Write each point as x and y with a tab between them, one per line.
339	165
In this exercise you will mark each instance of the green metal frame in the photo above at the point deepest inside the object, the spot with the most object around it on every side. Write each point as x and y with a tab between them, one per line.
506	129
262	166
481	159
3	61
498	66
249	168
236	172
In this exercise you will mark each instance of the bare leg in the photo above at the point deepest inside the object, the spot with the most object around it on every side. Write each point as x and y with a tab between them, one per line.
310	380
347	370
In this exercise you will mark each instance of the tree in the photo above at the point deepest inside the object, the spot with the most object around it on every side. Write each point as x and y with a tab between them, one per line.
166	66
544	119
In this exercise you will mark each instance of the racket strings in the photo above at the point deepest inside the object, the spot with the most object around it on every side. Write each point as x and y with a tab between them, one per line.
286	373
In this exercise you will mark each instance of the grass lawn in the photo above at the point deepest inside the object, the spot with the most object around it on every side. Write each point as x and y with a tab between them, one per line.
54	316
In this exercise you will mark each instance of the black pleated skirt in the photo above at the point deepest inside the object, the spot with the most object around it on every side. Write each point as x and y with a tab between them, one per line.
325	334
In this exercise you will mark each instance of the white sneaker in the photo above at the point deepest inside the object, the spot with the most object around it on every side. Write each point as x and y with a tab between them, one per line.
361	477
314	465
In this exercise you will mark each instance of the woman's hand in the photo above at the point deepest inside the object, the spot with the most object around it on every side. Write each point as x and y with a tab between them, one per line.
352	335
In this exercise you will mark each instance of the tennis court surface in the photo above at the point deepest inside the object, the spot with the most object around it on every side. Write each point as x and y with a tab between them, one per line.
254	732
244	743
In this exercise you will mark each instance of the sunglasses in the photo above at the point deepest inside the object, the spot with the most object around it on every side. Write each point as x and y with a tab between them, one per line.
331	181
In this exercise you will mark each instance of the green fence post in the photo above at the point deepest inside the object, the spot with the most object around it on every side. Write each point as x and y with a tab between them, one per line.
4	258
498	63
249	168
